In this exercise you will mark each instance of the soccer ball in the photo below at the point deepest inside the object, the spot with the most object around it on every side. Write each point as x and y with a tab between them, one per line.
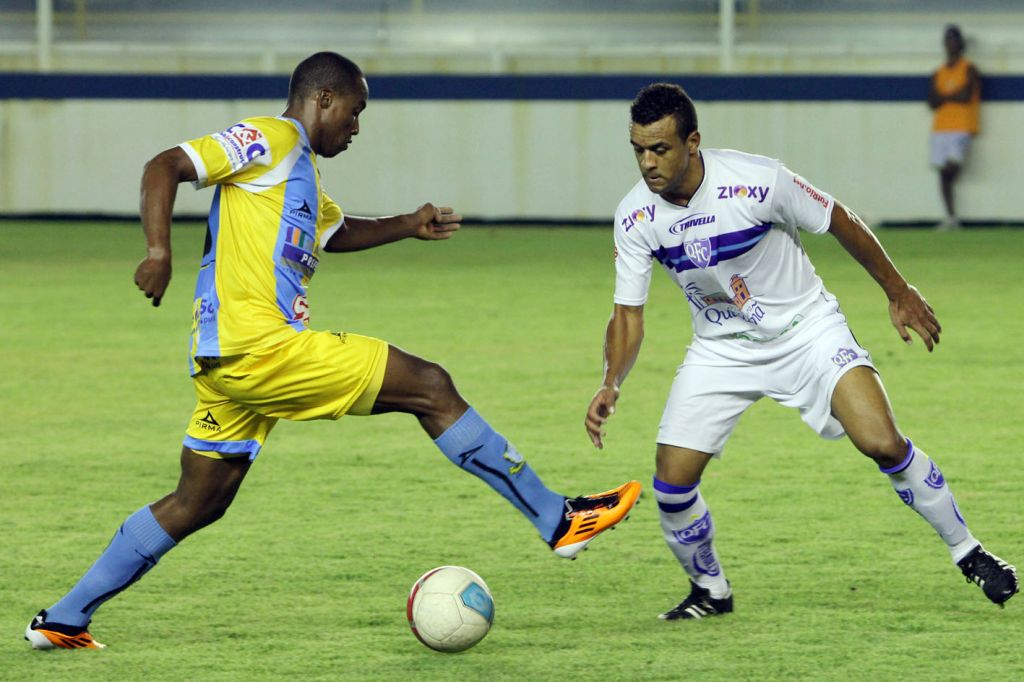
450	608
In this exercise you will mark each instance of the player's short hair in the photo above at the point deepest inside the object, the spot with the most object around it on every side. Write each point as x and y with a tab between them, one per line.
658	100
322	70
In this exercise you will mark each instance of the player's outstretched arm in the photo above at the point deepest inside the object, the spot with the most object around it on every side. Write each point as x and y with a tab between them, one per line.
427	222
623	337
907	307
160	181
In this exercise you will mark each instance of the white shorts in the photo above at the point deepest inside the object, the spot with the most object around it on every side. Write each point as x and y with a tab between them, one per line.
947	147
712	389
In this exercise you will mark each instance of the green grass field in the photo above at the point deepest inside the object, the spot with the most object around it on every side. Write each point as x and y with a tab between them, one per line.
306	577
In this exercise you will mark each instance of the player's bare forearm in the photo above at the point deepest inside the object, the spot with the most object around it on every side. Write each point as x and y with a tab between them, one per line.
427	222
359	233
907	308
861	243
160	180
623	337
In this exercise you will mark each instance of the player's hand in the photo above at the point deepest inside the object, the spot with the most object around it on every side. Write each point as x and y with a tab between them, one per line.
152	277
432	222
909	309
601	408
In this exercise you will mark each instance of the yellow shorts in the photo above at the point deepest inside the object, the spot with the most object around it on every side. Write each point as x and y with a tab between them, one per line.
315	375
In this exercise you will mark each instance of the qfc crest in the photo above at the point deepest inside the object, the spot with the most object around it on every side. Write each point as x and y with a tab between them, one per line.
699	252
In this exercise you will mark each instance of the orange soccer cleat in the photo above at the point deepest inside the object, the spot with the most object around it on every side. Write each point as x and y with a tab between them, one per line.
43	635
588	516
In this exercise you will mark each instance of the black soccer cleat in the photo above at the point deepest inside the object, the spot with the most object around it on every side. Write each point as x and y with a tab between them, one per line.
996	578
700	604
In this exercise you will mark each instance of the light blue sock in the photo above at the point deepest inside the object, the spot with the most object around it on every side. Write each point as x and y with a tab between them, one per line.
473	445
136	547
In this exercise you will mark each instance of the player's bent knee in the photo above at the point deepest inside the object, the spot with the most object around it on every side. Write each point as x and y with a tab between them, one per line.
439	391
680	466
887	450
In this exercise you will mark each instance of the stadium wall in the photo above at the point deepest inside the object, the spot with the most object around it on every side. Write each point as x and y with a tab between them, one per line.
549	148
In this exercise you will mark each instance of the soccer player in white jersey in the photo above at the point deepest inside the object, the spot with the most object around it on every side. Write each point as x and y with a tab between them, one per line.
724	226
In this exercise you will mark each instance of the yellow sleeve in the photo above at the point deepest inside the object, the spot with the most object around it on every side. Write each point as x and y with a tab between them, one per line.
331	220
241	153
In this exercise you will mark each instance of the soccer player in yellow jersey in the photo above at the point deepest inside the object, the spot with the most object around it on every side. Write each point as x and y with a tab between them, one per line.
955	98
253	358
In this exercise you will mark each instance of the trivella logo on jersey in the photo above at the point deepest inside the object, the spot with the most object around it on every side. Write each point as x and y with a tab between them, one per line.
692	220
756	192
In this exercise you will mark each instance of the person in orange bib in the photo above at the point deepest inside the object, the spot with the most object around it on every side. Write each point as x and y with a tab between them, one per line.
955	99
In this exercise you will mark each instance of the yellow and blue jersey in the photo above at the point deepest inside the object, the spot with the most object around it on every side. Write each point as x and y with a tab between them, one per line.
268	221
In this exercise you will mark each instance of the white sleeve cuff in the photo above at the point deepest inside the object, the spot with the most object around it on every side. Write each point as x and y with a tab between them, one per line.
329	232
619	300
197	161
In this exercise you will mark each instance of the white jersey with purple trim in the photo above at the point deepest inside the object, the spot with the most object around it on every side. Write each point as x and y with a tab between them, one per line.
734	251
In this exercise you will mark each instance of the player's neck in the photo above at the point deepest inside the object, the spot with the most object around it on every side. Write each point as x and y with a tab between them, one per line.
305	118
691	183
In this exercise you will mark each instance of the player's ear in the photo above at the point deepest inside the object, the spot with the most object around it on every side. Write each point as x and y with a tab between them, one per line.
324	98
692	142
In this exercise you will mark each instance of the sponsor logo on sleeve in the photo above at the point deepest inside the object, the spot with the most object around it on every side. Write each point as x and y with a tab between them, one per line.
811	191
644	214
244	144
756	193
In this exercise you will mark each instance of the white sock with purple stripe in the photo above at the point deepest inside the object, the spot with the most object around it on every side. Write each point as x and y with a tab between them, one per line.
921	486
689	532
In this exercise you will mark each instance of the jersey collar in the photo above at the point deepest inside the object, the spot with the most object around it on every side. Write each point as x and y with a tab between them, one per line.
302	131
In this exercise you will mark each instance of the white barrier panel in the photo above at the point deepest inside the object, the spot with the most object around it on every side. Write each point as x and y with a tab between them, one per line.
506	159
